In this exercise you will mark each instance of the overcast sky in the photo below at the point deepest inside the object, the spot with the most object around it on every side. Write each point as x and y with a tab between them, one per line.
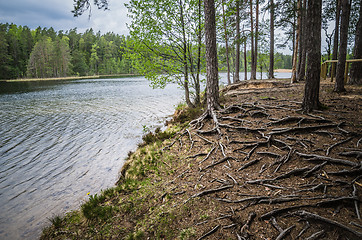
57	14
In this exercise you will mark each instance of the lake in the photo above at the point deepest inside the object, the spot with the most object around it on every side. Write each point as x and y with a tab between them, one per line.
60	140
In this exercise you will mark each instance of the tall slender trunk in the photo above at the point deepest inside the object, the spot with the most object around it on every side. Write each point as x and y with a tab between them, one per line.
346	7
212	83
197	84
312	84
336	36
237	50
184	53
252	74
300	45
295	56
226	42
301	70
271	54
245	61
356	68
256	38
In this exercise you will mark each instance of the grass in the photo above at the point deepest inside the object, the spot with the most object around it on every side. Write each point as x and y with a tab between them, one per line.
132	207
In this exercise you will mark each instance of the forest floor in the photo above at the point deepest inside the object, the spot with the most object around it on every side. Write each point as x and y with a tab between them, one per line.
271	172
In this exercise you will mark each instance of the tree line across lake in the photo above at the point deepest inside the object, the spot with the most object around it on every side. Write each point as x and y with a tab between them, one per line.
44	53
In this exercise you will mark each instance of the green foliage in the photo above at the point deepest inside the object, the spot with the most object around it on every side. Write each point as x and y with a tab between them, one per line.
188	233
135	236
47	53
93	209
56	221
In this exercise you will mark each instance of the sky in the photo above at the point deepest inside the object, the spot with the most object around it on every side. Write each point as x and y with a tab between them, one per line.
57	14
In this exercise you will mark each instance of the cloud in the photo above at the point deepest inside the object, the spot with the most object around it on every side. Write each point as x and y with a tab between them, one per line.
57	14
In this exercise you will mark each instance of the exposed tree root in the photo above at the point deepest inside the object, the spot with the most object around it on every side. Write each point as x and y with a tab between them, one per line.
316	217
314	157
210	232
336	144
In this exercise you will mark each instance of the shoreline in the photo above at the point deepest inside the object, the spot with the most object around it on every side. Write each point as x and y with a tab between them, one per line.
69	78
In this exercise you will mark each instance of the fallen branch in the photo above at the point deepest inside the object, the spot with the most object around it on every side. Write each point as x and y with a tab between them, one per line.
313	216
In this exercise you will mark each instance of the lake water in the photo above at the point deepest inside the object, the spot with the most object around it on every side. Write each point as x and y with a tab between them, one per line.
60	140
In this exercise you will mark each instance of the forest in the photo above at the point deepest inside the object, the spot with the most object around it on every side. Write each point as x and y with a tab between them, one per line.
45	52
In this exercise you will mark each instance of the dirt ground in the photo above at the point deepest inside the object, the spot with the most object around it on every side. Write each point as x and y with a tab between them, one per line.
270	172
273	172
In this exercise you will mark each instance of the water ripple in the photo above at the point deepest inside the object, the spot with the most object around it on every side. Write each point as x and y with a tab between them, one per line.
58	141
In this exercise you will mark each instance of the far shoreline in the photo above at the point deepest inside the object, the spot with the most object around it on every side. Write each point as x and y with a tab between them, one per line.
69	78
281	70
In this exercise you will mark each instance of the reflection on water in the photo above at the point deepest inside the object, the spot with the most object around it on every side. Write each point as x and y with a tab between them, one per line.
60	140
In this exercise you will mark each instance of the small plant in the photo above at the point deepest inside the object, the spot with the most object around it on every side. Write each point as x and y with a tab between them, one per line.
145	129
57	221
187	233
135	236
92	210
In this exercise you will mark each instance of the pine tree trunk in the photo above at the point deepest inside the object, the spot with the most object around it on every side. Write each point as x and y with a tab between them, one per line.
312	84
252	73
301	69
271	54
341	65
256	38
297	37
245	63
336	37
212	82
226	43
185	63
237	50
356	68
197	84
